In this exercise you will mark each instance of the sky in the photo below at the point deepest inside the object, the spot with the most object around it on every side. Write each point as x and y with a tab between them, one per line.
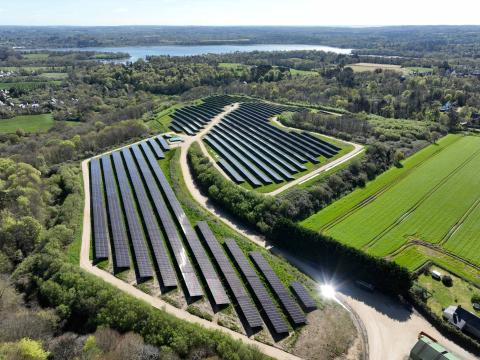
240	12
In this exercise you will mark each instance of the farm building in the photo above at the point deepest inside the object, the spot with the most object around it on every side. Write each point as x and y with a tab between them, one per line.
428	349
463	320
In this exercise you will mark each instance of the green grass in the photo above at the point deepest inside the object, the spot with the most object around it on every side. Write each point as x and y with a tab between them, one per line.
434	193
28	123
296	72
54	75
442	296
418	69
28	85
35	56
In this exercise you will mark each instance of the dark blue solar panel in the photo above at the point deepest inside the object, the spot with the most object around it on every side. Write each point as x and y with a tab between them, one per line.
261	294
235	284
119	232
291	307
140	250
100	225
211	278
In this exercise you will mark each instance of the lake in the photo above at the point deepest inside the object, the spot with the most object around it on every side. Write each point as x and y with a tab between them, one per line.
140	52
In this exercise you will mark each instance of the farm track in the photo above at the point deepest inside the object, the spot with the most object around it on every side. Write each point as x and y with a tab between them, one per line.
434	247
460	222
380	191
415	206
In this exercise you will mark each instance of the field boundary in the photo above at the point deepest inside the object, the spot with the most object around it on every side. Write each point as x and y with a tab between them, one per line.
382	190
420	201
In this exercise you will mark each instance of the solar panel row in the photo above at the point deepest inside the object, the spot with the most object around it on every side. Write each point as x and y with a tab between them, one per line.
100	225
303	296
247	308
291	307
156	149
183	262
261	294
163	143
266	149
208	272
191	119
137	237
117	225
167	273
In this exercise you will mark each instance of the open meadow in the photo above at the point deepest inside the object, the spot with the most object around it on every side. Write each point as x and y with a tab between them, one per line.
428	209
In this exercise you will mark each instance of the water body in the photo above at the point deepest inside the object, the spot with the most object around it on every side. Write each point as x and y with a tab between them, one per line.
141	52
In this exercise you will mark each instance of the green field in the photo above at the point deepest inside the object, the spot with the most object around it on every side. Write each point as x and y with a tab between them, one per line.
28	85
28	123
429	209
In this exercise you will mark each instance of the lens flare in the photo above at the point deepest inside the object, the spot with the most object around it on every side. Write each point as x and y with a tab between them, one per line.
328	291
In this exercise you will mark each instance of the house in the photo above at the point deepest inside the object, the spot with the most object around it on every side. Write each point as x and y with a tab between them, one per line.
463	320
446	107
428	349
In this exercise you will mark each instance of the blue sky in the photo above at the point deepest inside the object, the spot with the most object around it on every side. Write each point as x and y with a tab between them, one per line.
239	12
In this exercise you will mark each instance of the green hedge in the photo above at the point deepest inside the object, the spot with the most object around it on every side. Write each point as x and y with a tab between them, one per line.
340	259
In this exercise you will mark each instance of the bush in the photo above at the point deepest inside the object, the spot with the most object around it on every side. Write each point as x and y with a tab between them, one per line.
447	280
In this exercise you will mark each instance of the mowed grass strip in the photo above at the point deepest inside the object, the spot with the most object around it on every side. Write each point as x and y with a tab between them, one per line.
435	216
28	123
346	204
371	220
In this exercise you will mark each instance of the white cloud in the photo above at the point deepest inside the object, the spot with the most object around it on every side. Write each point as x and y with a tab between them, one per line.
121	10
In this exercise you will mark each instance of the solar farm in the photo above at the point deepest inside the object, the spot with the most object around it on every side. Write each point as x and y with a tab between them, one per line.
139	227
427	210
249	149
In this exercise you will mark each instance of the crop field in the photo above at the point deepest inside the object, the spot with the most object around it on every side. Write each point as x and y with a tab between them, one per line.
431	203
28	123
363	67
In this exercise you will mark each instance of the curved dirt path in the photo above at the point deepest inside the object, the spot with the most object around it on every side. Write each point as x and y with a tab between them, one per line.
158	303
357	149
389	328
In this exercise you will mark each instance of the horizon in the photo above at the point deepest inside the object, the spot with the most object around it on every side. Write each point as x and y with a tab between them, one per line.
229	13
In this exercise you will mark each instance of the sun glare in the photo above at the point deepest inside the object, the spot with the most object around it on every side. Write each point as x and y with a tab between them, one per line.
328	291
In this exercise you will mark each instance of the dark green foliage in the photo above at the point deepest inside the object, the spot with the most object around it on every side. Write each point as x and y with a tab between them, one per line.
340	259
85	302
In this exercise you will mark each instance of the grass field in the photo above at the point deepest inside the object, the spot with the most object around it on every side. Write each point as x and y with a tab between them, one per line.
28	85
363	67
431	202
28	123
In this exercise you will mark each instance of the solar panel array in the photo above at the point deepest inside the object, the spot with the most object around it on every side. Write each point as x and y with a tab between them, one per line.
180	253
264	300
100	225
117	225
244	302
206	268
294	311
137	237
153	231
303	296
261	153
191	119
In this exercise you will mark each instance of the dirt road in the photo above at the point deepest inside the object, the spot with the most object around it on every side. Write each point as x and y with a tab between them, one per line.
158	303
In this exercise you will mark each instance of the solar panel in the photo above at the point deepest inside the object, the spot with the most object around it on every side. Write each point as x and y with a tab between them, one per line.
291	307
303	296
156	149
232	161
242	159
183	262
261	294
117	225
248	154
206	268
140	250
99	219
167	273
163	143
235	284
234	175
